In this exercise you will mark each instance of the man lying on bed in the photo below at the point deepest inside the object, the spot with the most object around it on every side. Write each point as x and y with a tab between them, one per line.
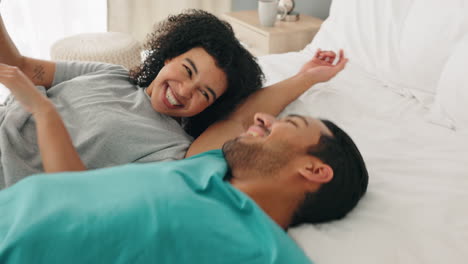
221	206
281	173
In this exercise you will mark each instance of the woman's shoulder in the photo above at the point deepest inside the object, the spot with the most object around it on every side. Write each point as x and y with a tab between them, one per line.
67	70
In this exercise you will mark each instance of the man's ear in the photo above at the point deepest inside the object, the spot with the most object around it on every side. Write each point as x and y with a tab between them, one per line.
318	172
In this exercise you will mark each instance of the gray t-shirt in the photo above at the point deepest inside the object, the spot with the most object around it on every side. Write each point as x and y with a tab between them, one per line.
110	121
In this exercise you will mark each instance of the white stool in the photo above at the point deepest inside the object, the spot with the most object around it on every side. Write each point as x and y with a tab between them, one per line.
110	47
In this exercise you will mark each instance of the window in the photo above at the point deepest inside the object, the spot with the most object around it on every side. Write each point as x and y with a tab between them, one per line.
35	25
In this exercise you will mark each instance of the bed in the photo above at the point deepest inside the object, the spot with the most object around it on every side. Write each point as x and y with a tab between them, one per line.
390	99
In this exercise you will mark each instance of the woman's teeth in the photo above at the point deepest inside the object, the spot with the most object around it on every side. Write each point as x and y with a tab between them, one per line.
171	98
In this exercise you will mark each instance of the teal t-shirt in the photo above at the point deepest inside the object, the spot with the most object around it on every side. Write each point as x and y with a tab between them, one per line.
168	212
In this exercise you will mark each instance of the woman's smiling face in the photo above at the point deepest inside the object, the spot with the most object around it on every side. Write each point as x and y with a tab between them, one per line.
187	84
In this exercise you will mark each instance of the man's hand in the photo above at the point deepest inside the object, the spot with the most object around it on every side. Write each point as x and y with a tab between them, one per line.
22	88
321	68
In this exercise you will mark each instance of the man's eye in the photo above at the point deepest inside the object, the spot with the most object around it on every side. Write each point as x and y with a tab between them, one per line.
292	122
189	71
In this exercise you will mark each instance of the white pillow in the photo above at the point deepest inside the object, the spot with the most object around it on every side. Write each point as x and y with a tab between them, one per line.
403	43
451	101
431	31
366	30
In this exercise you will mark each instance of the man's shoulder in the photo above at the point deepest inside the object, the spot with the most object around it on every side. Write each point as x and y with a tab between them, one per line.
205	163
215	154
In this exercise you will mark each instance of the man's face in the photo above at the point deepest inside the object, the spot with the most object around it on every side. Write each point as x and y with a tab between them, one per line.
270	143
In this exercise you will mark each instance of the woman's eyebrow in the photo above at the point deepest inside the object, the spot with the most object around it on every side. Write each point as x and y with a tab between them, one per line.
300	117
211	92
192	64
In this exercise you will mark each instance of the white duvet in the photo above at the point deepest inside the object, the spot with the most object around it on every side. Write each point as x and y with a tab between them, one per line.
416	207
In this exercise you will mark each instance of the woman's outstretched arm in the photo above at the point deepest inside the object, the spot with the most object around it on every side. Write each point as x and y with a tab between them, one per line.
40	72
271	100
57	151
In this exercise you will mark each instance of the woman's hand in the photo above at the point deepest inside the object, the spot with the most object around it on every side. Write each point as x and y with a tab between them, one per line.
23	89
321	67
55	144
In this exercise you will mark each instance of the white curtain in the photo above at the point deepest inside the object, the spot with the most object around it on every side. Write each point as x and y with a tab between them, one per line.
35	25
137	17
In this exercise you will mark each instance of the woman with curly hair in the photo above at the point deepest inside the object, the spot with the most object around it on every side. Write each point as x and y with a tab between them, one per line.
93	115
234	71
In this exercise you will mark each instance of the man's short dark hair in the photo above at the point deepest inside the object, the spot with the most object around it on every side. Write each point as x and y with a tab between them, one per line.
349	183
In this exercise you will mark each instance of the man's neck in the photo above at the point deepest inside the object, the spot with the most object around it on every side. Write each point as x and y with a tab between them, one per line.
274	201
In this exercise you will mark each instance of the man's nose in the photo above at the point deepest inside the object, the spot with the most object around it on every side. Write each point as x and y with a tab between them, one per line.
263	119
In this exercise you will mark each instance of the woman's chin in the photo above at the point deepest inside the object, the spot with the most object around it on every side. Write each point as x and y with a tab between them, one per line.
176	112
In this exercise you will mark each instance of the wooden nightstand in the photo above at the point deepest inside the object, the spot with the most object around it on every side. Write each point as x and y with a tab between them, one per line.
283	37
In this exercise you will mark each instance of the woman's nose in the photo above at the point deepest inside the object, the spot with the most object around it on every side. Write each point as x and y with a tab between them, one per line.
186	90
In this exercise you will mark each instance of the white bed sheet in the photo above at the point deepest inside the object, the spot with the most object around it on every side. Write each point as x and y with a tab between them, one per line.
416	207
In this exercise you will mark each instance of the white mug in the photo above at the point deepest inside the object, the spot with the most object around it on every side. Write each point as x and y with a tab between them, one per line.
268	10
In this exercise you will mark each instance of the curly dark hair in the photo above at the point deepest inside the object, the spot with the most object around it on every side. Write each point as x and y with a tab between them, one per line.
196	28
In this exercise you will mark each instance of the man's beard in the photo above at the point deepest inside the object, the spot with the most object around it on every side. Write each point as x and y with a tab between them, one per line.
253	157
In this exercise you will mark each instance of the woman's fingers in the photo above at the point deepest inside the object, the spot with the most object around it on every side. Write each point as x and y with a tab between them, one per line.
6	67
328	53
342	56
317	53
7	70
341	62
6	77
327	57
341	52
14	79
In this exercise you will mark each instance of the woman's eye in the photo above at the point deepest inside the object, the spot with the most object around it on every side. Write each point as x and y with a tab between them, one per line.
189	71
204	93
